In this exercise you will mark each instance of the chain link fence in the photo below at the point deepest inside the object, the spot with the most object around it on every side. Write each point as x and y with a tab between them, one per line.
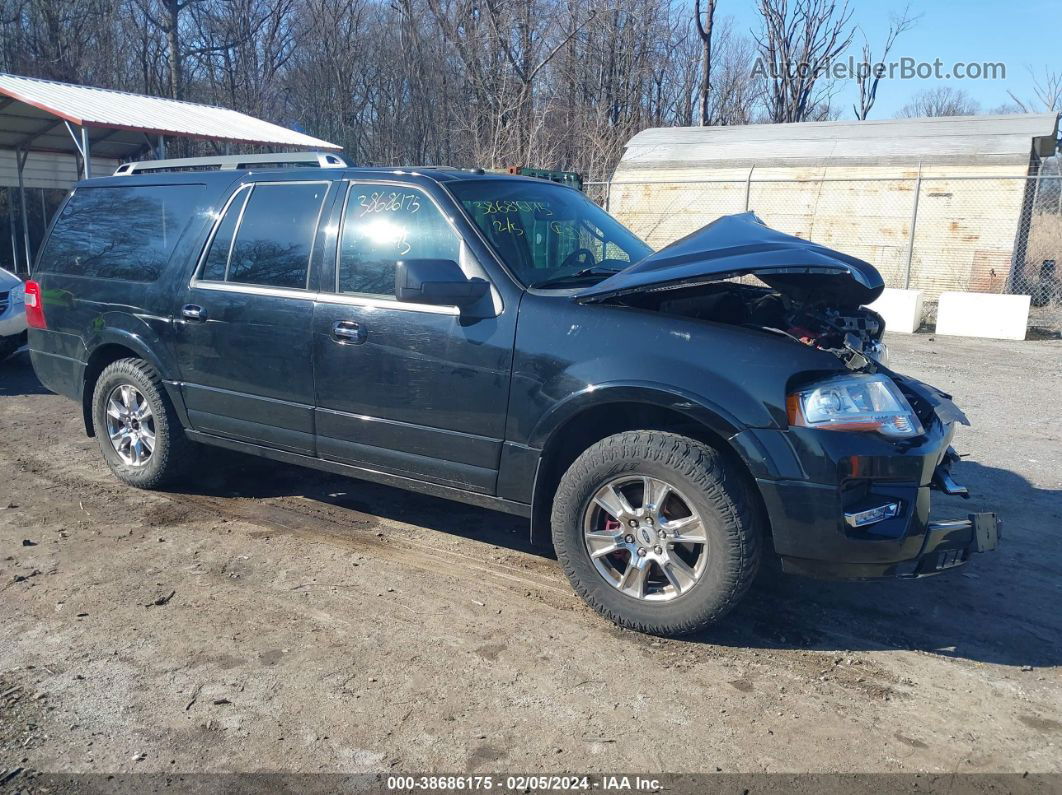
993	234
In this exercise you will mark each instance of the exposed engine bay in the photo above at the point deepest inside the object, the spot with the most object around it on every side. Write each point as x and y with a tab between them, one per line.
851	333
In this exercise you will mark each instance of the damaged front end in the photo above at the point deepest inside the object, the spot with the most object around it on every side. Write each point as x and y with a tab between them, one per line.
863	447
812	294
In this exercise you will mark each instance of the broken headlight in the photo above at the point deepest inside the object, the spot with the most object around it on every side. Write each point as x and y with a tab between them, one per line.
854	403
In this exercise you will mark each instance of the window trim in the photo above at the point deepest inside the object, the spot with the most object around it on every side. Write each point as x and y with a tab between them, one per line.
377	299
201	260
236	231
346	299
322	296
212	284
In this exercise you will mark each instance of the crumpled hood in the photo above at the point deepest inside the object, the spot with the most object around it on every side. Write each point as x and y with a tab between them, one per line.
738	245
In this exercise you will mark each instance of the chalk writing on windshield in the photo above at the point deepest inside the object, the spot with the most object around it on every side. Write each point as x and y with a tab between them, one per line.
512	206
506	226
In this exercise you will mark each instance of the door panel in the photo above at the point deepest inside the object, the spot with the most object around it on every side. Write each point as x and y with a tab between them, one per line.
424	394
415	390
243	327
247	367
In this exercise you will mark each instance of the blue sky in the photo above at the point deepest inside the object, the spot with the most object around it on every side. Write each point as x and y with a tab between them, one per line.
1018	34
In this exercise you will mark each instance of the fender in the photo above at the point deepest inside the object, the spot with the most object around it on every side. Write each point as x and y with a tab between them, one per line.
146	343
696	407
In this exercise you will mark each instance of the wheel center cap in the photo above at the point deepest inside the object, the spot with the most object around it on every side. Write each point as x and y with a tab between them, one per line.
646	536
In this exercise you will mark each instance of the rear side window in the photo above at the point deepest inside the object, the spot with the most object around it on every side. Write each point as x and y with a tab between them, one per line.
266	236
121	232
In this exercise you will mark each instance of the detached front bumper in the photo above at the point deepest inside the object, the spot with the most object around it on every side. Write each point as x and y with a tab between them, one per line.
856	506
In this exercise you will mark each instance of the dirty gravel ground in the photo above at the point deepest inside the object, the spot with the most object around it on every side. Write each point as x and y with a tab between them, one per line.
269	618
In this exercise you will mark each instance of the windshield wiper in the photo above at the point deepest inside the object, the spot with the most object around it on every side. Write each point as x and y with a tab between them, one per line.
593	270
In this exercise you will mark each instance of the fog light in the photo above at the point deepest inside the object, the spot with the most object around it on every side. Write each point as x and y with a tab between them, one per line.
889	510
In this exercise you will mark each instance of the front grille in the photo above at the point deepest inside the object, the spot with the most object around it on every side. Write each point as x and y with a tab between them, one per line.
5	299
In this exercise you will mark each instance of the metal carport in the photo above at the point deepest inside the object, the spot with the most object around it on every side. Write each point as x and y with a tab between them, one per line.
51	134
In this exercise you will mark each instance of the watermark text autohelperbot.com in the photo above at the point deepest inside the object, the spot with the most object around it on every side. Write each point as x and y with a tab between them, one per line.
905	68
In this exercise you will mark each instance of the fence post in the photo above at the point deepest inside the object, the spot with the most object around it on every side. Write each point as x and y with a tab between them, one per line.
1036	190
608	194
748	186
914	221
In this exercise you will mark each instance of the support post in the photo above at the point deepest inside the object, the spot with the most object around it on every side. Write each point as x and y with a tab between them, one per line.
160	150
86	154
914	220
81	143
11	224
20	162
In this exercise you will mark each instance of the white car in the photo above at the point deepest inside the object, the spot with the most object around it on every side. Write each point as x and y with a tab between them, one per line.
12	313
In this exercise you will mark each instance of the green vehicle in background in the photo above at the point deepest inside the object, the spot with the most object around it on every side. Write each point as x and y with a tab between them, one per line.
569	178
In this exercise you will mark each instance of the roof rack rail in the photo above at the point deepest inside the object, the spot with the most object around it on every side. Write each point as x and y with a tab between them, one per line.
235	162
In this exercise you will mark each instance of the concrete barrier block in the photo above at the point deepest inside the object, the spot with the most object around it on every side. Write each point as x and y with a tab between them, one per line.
1003	317
902	309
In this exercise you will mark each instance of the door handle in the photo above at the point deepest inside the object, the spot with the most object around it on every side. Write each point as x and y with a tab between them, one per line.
349	332
193	312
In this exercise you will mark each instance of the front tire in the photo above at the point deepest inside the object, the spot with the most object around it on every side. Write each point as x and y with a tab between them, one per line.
138	430
656	532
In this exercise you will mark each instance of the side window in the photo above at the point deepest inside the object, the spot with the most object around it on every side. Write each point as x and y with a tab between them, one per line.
119	232
274	229
383	225
217	258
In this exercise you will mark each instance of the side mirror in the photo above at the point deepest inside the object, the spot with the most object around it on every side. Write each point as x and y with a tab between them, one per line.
440	282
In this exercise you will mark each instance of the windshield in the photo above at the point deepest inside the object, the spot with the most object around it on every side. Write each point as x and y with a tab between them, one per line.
550	236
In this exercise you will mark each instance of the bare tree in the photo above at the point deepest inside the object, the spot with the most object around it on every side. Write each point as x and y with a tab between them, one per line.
704	31
872	69
1047	93
242	49
165	16
939	101
552	83
736	95
796	46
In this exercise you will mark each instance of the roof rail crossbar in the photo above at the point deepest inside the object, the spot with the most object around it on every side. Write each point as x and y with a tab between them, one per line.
235	162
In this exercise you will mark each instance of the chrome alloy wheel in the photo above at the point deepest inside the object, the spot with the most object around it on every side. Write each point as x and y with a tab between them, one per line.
645	538
130	425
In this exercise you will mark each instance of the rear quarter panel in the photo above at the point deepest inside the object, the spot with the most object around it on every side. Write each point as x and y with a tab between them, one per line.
85	313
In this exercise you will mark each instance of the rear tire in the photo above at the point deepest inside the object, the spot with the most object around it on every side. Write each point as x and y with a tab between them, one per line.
138	430
687	586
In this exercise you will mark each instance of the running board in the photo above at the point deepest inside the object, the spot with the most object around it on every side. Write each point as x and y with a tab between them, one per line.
366	473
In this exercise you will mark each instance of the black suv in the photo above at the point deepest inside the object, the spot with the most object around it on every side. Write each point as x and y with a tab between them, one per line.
503	341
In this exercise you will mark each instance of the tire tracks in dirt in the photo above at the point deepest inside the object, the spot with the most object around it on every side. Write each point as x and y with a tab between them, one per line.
382	538
323	522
